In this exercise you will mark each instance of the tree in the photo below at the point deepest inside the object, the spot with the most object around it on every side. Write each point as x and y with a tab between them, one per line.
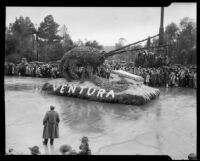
79	42
171	34
19	39
187	39
121	42
48	30
49	43
51	52
67	42
188	33
10	42
93	44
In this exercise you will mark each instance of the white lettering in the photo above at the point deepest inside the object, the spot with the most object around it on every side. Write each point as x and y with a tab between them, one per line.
82	88
90	93
62	89
101	92
110	93
55	86
72	88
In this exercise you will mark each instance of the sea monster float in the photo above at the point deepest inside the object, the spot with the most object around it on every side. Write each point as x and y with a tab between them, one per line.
122	87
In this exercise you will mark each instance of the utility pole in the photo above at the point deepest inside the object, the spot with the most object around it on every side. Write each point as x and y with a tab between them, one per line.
161	31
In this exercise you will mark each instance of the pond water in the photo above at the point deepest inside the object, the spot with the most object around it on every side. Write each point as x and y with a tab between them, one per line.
164	126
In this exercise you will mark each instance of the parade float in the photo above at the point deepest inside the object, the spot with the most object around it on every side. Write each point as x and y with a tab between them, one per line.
121	87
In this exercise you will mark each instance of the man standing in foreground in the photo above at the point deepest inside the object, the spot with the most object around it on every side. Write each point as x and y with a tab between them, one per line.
51	129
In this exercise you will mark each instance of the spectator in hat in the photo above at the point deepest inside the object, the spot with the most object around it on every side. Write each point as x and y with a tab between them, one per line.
192	156
34	150
84	147
50	122
67	150
10	151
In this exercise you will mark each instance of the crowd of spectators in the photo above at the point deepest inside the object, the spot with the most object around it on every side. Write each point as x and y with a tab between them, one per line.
32	69
63	150
45	70
157	71
171	75
149	59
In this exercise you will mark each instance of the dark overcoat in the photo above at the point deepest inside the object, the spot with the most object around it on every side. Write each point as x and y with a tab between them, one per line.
50	122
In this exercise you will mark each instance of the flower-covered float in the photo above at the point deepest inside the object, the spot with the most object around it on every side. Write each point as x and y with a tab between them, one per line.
121	87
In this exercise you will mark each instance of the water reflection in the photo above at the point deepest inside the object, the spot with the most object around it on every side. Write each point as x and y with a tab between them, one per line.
49	150
91	116
52	149
23	83
177	91
46	149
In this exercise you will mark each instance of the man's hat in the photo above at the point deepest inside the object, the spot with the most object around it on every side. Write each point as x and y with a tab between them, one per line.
65	148
192	156
34	150
84	138
52	107
10	150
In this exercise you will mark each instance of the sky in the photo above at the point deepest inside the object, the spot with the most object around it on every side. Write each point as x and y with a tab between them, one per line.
107	24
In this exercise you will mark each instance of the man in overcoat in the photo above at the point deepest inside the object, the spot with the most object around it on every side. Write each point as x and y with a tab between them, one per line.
51	128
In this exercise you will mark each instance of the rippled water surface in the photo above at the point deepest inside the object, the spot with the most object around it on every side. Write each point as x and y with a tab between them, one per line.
166	125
